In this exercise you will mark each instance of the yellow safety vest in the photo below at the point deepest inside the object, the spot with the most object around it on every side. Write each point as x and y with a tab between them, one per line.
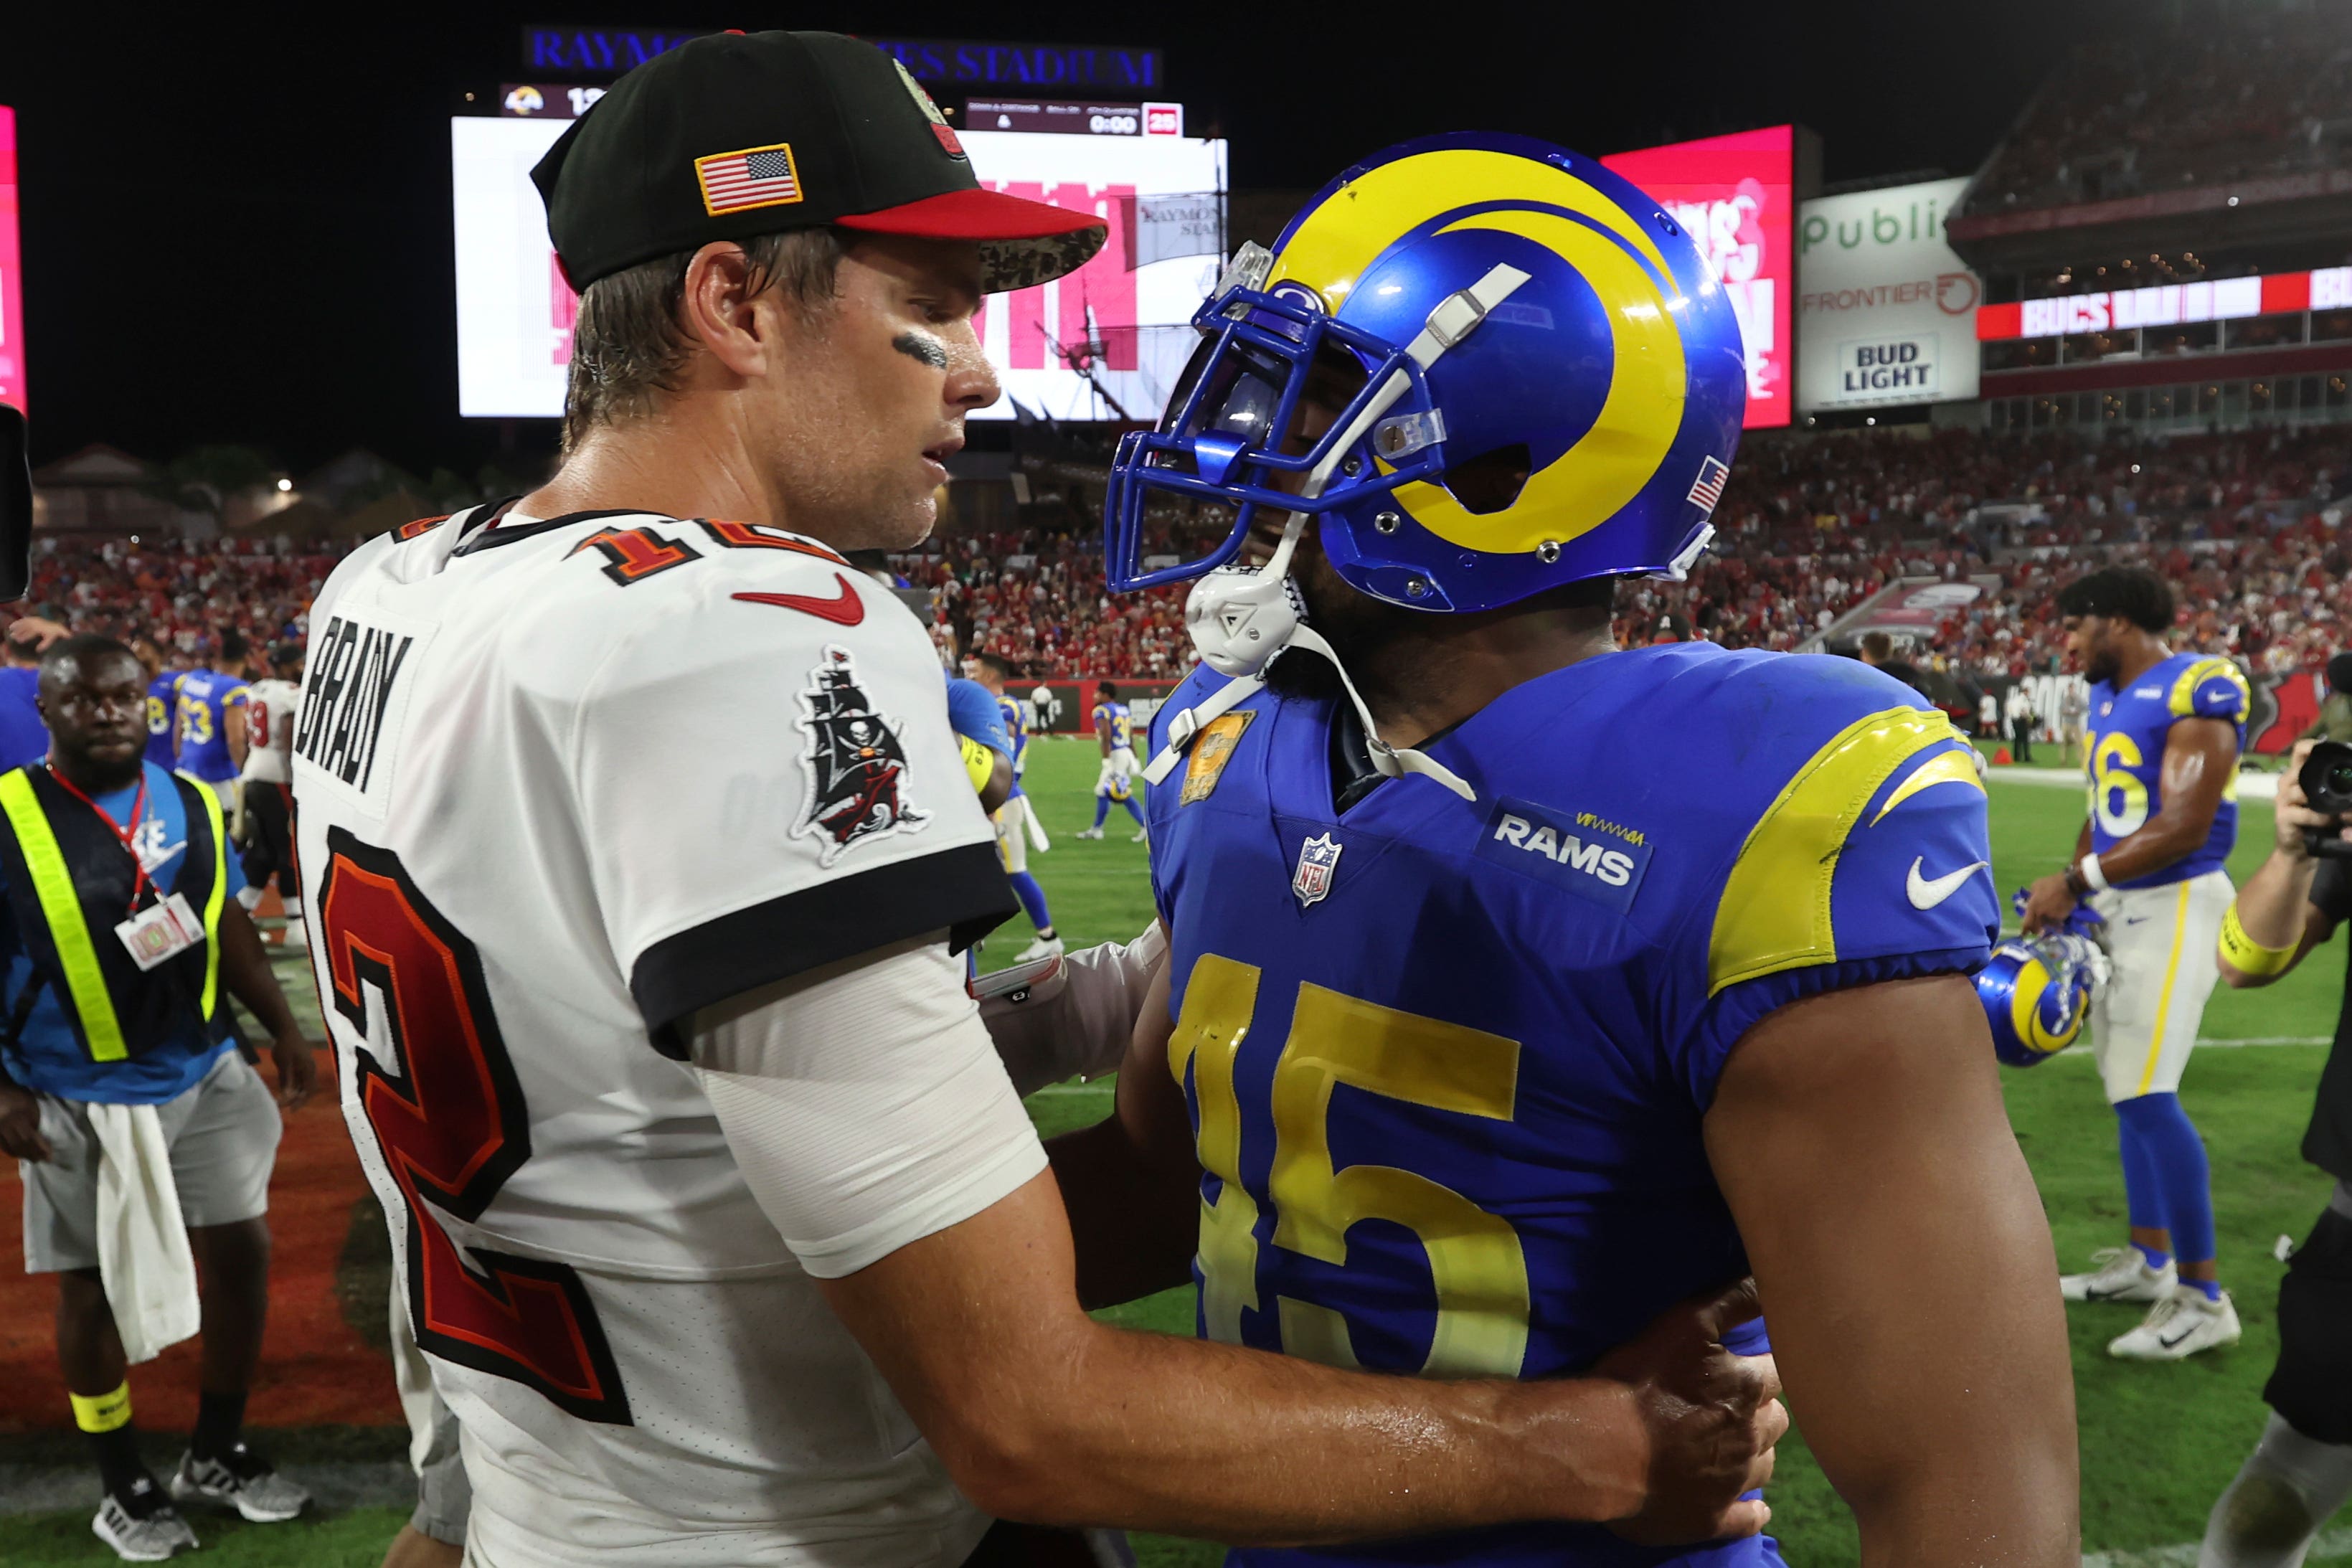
71	882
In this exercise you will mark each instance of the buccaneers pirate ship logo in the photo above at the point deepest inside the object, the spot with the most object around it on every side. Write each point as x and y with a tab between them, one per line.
856	767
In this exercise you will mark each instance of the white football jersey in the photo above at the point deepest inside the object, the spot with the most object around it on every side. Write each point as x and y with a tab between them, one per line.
270	730
561	783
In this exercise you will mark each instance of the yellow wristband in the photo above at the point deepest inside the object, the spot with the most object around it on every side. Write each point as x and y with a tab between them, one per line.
103	1413
979	762
2246	955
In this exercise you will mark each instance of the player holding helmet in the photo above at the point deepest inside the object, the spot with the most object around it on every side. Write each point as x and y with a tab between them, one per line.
2164	734
1517	985
1115	732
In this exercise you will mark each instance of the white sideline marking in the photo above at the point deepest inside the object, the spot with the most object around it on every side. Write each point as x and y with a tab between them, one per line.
2205	1044
2329	1543
2250	786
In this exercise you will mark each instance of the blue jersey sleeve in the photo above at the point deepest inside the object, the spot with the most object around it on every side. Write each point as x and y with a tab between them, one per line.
2212	689
1873	863
971	713
1017	730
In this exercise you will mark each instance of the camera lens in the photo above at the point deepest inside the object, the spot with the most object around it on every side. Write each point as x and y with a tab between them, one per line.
2327	778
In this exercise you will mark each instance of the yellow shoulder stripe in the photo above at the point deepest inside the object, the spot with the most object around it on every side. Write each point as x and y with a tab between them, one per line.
2183	700
1944	767
1775	910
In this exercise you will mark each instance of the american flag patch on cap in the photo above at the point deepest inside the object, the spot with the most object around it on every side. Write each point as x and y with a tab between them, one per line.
754	177
1707	489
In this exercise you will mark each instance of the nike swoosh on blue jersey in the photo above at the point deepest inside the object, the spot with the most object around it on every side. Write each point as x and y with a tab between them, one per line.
1927	892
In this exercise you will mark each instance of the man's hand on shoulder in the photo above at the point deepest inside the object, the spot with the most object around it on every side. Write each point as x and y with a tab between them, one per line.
20	1124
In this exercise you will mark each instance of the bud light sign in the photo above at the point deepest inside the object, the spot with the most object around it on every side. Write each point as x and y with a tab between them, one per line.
1889	370
1886	312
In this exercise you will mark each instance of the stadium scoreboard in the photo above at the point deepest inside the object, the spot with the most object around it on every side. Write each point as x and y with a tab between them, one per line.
12	272
1107	341
1736	196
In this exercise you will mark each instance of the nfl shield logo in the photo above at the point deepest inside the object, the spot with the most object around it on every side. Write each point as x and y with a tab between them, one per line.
1319	859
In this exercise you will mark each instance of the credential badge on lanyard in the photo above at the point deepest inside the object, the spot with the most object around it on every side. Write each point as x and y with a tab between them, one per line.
161	931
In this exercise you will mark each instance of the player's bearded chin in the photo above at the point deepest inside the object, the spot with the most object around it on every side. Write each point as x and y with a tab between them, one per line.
1355	626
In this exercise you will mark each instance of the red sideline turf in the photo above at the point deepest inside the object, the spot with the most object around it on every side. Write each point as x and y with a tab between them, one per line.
314	1369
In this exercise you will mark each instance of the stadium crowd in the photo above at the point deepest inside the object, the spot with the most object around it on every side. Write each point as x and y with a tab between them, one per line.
181	593
2136	112
2247	525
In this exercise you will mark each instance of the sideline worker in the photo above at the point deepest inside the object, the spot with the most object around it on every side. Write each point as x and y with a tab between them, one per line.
119	1091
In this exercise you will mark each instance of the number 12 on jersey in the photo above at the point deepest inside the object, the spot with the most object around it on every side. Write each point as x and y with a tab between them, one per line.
449	1121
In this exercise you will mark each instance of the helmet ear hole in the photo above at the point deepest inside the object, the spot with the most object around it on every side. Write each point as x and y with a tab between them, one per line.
1490	481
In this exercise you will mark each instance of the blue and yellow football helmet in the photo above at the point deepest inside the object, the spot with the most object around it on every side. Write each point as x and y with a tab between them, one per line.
2037	993
1499	307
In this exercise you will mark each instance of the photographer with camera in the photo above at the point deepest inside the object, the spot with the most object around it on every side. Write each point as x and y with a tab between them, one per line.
2301	1471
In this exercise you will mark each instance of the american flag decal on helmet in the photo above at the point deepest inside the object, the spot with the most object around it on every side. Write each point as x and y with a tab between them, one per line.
1707	489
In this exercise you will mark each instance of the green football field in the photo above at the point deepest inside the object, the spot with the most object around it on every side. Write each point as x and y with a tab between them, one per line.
2159	1442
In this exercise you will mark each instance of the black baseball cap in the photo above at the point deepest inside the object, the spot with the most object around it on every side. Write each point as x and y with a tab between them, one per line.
738	134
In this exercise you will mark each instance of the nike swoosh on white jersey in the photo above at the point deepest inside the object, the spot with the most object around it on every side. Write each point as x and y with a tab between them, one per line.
1927	892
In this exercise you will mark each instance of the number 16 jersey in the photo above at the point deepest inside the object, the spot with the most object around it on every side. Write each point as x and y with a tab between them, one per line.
2124	738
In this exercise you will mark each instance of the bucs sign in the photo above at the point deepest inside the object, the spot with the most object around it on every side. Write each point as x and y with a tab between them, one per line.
856	767
1319	860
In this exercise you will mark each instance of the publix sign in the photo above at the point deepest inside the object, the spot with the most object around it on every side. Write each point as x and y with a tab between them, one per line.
1885	312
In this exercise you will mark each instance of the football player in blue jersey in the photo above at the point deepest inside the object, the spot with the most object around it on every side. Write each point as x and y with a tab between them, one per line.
211	720
162	704
1017	823
1115	732
980	733
1517	986
2164	733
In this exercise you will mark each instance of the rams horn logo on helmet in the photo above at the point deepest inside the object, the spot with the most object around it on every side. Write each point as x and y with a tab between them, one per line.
1520	317
2037	993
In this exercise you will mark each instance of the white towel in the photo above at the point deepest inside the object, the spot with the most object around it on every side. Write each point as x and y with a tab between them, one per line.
142	1245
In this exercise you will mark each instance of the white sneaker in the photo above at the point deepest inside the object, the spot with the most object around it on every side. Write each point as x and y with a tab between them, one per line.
1089	833
2123	1275
1142	835
244	1481
1044	947
140	1526
2179	1326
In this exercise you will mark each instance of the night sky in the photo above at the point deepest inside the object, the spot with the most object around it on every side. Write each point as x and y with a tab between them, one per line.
239	231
